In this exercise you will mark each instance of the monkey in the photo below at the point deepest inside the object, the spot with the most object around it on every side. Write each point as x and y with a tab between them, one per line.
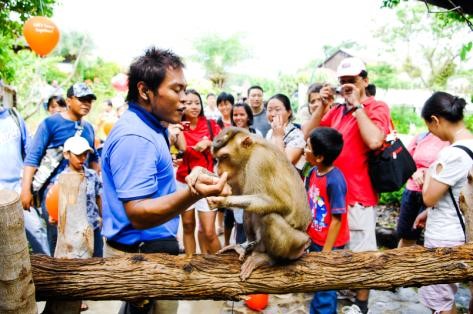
269	189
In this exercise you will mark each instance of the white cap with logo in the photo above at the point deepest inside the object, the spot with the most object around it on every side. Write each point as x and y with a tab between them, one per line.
77	145
350	67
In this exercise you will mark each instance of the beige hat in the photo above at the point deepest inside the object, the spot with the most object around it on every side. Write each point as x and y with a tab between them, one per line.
77	145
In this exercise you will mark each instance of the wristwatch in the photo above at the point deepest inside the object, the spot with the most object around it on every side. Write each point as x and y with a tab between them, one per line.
359	106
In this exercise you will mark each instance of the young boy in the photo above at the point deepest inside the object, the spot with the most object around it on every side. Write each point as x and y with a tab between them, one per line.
326	191
76	151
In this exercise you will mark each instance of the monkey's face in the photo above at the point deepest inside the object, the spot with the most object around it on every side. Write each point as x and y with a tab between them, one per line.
233	156
226	163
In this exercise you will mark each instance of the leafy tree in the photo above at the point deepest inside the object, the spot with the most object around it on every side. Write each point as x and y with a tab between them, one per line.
73	46
217	55
432	55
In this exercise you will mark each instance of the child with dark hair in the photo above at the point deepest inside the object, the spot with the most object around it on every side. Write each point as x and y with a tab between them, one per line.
56	104
326	191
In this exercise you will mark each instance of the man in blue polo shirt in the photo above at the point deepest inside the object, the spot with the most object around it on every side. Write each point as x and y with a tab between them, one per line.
141	206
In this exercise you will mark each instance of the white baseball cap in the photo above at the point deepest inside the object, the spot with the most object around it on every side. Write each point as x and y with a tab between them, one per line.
350	67
77	145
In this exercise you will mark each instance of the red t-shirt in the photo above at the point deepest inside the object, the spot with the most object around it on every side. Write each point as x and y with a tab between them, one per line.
193	158
353	160
326	196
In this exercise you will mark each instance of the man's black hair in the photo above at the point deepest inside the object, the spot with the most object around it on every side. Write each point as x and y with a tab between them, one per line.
255	87
151	69
371	90
326	142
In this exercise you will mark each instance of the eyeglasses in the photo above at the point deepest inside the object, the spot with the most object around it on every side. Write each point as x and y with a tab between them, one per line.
350	80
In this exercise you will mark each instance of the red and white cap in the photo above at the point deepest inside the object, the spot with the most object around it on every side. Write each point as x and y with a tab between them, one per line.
350	67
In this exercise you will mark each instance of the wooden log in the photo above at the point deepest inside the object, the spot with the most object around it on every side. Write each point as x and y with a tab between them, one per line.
161	276
75	235
17	292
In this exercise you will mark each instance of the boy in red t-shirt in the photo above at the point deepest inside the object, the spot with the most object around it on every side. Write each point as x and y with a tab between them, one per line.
326	191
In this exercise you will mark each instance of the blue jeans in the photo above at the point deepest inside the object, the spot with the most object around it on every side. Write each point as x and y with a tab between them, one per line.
323	302
35	228
98	243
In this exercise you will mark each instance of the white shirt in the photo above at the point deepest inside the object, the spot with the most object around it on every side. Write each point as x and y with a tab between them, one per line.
442	220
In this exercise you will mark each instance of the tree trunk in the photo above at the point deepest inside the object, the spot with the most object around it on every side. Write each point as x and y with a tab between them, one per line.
75	236
161	276
17	293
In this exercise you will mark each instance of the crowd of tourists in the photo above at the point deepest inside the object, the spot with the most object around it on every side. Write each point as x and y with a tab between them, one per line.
137	194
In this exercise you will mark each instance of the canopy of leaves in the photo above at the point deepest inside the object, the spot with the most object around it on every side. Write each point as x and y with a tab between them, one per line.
217	55
424	44
13	14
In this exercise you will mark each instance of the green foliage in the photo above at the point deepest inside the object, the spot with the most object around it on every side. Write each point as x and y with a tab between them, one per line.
465	50
217	55
391	198
468	120
30	74
7	70
72	45
385	76
13	14
403	116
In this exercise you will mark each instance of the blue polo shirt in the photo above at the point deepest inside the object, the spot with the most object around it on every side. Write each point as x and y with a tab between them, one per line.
136	164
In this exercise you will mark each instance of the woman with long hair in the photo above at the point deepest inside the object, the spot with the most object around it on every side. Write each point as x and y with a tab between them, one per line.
199	133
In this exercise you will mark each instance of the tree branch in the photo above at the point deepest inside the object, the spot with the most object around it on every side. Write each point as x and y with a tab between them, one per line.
161	276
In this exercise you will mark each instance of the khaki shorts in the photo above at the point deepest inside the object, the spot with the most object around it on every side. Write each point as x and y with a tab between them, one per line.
440	297
362	225
201	205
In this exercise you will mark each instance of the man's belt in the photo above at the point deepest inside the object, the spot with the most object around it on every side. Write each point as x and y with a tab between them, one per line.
137	247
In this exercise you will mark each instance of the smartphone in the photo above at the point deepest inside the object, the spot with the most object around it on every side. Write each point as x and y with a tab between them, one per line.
186	125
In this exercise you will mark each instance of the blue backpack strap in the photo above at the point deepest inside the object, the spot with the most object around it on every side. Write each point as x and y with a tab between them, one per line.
14	114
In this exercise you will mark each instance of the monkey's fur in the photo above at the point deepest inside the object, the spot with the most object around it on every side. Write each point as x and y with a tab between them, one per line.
267	186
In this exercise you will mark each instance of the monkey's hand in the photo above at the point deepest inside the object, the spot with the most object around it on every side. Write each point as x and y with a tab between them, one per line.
216	201
239	248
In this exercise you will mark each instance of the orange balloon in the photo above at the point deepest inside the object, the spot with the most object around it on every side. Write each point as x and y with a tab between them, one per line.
41	34
107	127
52	201
257	302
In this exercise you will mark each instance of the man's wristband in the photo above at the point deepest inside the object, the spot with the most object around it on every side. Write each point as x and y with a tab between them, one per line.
359	106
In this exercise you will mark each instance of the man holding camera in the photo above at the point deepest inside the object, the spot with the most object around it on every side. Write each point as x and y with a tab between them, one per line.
364	123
